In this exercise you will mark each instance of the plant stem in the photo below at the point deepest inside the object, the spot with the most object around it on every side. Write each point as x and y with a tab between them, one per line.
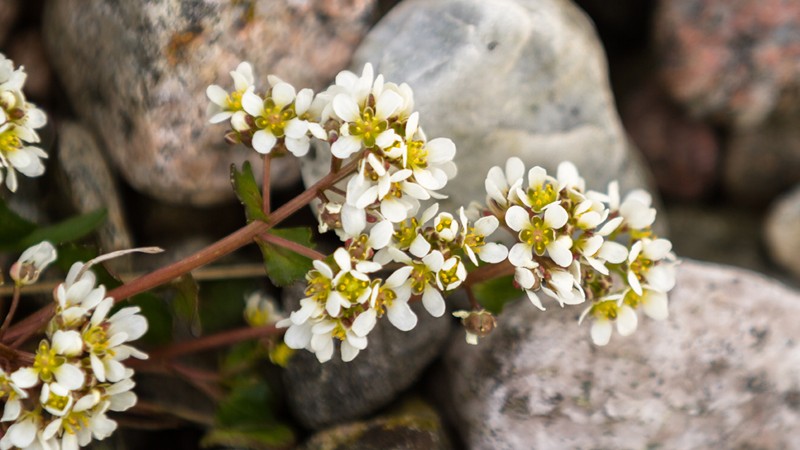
265	187
20	332
214	341
11	310
489	272
296	247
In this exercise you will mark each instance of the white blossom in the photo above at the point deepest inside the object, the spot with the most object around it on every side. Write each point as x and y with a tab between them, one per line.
32	263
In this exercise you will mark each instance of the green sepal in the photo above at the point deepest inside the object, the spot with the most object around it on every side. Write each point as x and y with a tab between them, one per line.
283	265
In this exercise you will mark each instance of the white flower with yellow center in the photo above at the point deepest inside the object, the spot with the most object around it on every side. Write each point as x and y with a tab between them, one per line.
537	234
363	123
23	432
473	239
564	285
77	295
608	312
16	156
651	261
424	278
451	274
55	399
261	310
446	227
430	161
529	279
597	252
104	339
224	105
51	364
391	296
12	395
542	190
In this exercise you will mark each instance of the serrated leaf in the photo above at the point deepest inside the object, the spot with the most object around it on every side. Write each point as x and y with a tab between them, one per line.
283	265
13	228
246	189
186	303
495	293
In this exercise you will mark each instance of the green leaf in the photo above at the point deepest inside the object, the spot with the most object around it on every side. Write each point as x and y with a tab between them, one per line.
186	303
245	419
68	230
495	293
13	228
283	265
244	184
223	303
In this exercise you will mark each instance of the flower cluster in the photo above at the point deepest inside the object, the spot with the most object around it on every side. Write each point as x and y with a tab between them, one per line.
19	120
77	374
575	245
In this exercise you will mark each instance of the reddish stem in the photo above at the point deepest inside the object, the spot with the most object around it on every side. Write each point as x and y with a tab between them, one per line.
11	310
296	247
20	332
214	341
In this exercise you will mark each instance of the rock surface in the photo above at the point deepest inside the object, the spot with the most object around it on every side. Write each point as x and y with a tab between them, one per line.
764	161
90	185
505	78
682	152
335	392
722	372
780	231
729	59
414	426
138	73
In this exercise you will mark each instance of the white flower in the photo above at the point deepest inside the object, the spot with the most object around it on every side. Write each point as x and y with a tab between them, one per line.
651	261
537	234
424	278
501	186
50	364
261	310
451	274
32	262
55	399
564	285
392	296
363	124
77	295
607	312
541	192
22	433
474	239
568	178
104	339
223	105
13	395
530	282
446	226
430	161
15	156
635	210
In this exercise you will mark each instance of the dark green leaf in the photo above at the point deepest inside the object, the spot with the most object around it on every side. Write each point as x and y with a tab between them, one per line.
159	318
494	294
283	265
223	304
186	303
68	230
244	184
245	419
13	228
241	357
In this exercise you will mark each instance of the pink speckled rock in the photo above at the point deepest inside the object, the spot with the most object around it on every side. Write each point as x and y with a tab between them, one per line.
729	59
137	73
722	372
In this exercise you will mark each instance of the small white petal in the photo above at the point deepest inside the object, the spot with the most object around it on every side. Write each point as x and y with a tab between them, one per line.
626	321
555	216
433	301
364	323
217	95
252	104
601	332
613	252
655	305
401	316
520	254
419	246
283	94
493	253
263	141
69	376
345	146
346	108
517	218
348	351
25	377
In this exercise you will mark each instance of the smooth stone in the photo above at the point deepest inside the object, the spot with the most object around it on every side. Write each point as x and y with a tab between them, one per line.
506	78
322	394
138	72
780	231
730	60
90	185
721	372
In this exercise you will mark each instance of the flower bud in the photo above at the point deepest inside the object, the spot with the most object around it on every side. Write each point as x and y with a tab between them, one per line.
476	324
32	262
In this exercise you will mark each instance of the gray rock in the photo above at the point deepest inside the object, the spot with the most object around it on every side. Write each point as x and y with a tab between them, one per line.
415	425
730	60
780	231
763	161
89	184
722	372
137	72
335	392
505	78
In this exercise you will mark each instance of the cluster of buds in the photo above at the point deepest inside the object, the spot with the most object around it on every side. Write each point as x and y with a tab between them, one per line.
576	246
77	374
19	120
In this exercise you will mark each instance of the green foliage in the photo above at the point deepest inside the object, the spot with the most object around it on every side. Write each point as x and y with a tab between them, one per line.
283	265
245	419
495	293
244	184
186	303
222	306
17	234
